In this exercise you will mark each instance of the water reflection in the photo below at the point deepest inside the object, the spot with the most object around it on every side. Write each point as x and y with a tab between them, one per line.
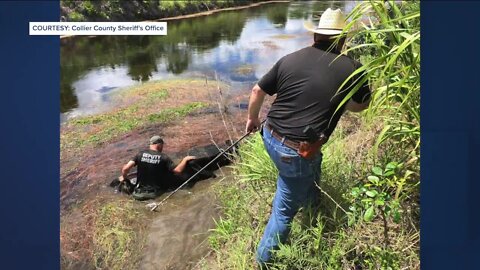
278	15
141	66
238	46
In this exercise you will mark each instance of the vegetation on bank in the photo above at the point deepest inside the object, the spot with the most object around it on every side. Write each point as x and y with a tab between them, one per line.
368	217
138	10
107	236
154	102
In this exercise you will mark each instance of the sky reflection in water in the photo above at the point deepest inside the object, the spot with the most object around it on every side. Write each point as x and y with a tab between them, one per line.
239	46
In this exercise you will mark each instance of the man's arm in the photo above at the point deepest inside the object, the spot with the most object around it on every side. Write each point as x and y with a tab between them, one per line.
126	168
181	166
357	107
256	100
361	98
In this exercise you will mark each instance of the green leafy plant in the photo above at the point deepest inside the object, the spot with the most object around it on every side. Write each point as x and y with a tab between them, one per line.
374	197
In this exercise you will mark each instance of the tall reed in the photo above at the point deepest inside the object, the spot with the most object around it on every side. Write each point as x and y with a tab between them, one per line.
385	36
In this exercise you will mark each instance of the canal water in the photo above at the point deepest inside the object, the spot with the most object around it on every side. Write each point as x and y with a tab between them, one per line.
237	47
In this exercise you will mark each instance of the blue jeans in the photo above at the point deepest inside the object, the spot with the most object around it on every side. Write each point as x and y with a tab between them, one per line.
295	188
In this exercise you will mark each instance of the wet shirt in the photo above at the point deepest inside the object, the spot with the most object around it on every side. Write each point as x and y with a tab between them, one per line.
153	168
306	83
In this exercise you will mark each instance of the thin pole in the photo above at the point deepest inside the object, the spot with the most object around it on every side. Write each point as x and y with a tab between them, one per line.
199	171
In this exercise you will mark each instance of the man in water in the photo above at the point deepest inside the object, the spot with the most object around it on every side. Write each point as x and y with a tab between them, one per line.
301	119
154	170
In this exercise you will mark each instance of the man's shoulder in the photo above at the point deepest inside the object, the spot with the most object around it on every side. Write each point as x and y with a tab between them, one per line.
354	62
305	50
150	152
346	62
294	55
141	152
310	50
165	156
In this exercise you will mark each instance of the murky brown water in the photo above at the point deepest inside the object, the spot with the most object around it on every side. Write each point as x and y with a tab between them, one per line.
177	238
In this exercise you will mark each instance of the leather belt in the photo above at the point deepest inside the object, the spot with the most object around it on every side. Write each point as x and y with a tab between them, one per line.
292	144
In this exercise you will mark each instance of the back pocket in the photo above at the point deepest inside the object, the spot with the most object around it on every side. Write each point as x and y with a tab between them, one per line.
288	165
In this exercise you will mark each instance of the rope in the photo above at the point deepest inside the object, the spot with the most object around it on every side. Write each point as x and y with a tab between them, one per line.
330	197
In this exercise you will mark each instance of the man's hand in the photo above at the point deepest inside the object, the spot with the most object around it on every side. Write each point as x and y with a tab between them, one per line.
126	169
357	107
252	125
254	105
121	178
188	158
181	166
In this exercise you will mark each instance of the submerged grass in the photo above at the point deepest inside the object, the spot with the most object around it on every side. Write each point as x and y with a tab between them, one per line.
283	36
244	69
115	242
106	235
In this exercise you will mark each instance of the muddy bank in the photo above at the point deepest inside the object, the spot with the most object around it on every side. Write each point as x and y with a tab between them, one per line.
94	148
87	167
90	172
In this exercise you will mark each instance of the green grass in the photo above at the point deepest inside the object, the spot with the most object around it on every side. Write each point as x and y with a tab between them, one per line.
125	120
245	206
175	113
149	103
159	95
107	235
240	227
247	169
320	240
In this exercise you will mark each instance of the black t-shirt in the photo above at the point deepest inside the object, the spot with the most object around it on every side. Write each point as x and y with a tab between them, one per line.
306	83
153	168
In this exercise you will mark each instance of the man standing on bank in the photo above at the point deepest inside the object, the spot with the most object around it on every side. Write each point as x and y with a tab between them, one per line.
301	119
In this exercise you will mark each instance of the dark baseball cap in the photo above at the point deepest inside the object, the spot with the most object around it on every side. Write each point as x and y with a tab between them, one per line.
156	140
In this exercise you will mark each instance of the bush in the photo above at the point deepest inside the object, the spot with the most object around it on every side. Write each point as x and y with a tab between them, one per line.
76	17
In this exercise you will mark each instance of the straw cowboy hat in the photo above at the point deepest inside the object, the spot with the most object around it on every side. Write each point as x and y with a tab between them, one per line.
331	23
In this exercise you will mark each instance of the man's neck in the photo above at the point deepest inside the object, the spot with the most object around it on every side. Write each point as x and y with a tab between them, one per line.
328	46
154	149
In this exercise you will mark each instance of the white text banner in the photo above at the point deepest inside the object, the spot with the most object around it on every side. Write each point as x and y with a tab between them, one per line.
97	28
